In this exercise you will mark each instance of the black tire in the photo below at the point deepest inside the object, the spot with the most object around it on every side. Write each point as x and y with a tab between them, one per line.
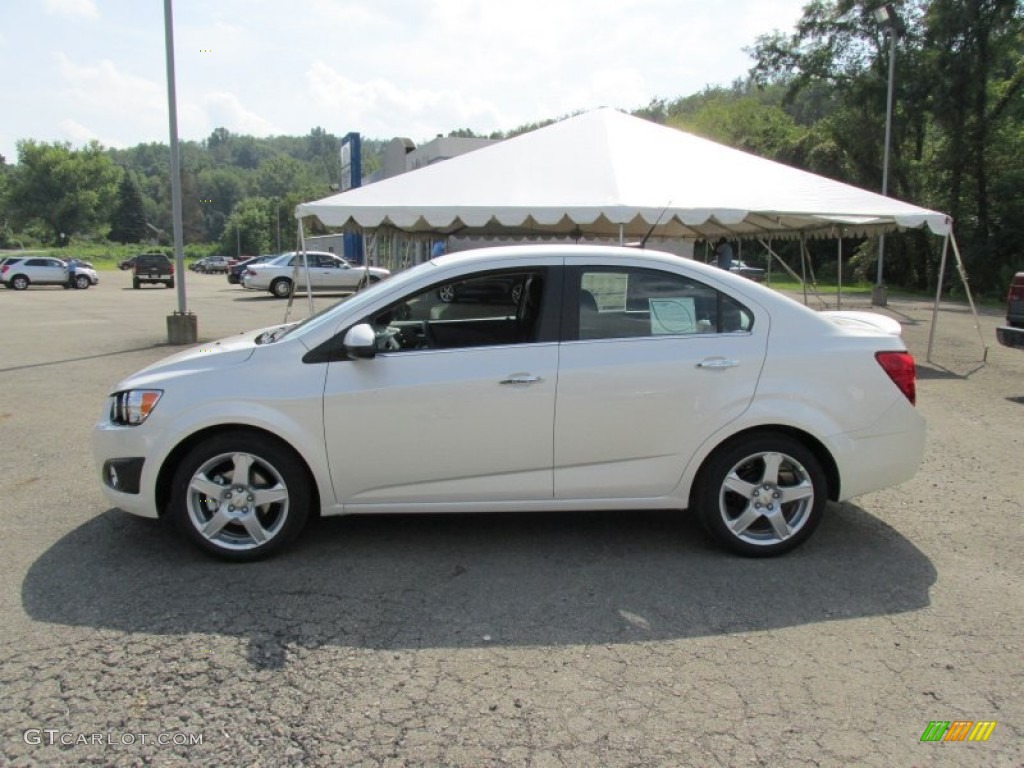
169	284
19	282
282	287
136	284
756	510
272	468
446	293
81	282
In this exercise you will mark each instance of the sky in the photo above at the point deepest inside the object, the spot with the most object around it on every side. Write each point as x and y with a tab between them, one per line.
77	70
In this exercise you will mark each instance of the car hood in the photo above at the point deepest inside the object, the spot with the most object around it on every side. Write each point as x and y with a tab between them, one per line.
220	354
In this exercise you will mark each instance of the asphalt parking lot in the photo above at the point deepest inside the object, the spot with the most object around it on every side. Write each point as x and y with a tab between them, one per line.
510	640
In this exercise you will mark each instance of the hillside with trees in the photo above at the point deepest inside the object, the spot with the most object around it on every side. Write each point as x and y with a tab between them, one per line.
815	98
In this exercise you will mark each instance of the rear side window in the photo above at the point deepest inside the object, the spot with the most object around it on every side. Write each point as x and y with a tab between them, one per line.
627	303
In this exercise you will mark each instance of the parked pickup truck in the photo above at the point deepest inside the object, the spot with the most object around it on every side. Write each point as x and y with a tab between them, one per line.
152	268
1012	334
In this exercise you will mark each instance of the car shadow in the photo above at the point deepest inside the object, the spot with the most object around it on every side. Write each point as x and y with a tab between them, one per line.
453	581
82	358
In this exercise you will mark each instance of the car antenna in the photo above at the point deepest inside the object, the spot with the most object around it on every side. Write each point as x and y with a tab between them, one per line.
657	221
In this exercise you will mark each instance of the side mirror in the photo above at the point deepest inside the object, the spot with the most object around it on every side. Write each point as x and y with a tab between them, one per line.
361	341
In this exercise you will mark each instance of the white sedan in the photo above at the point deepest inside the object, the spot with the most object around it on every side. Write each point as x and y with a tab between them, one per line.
619	379
327	272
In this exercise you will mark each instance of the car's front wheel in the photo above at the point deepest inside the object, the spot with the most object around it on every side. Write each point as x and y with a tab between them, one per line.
81	282
281	288
240	496
761	495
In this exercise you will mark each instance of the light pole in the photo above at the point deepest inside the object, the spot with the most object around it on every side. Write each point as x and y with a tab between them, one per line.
888	21
182	325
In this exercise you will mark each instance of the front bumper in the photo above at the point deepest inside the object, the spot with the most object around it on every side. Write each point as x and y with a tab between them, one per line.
122	449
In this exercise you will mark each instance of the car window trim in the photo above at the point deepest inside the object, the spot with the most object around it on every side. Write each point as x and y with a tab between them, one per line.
570	315
549	319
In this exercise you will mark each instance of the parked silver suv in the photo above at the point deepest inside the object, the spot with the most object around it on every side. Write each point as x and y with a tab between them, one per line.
19	272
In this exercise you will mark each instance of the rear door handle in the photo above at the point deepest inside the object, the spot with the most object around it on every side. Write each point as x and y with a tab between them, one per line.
521	378
717	362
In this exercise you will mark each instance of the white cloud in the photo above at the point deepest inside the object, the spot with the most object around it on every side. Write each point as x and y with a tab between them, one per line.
90	95
73	8
80	135
226	110
380	108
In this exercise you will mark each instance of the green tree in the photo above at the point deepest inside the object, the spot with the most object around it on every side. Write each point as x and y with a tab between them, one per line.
248	228
128	222
67	191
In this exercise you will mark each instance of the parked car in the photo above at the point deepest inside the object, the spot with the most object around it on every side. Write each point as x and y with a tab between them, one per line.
20	272
126	264
236	270
498	289
327	272
152	268
213	264
745	270
198	265
1012	334
622	379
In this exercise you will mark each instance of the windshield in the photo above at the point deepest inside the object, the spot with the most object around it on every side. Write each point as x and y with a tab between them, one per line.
357	300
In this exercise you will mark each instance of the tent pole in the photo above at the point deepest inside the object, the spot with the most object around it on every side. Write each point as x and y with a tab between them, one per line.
305	264
785	266
970	299
295	271
622	235
839	274
938	297
768	277
803	265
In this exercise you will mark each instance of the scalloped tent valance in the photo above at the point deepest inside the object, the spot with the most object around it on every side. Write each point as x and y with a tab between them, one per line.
607	174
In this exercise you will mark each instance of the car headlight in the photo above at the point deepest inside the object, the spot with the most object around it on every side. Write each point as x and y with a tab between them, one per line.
132	407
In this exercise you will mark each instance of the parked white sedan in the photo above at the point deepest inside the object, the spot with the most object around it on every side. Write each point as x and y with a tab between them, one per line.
619	379
327	272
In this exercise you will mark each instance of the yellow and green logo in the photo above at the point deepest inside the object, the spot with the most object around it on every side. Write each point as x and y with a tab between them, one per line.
958	730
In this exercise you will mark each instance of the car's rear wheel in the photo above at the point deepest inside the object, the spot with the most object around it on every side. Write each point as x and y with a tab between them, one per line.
136	284
81	282
19	282
169	283
240	496
761	495
282	288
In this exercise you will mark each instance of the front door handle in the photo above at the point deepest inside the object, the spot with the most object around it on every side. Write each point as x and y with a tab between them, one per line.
521	378
717	362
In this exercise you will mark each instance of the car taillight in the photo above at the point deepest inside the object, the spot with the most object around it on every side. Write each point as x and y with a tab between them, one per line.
4	268
251	272
901	369
172	269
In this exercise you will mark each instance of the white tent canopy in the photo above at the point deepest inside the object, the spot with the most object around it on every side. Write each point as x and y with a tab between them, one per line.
607	174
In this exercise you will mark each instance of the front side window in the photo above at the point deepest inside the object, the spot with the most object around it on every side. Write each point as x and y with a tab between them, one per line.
483	310
627	303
